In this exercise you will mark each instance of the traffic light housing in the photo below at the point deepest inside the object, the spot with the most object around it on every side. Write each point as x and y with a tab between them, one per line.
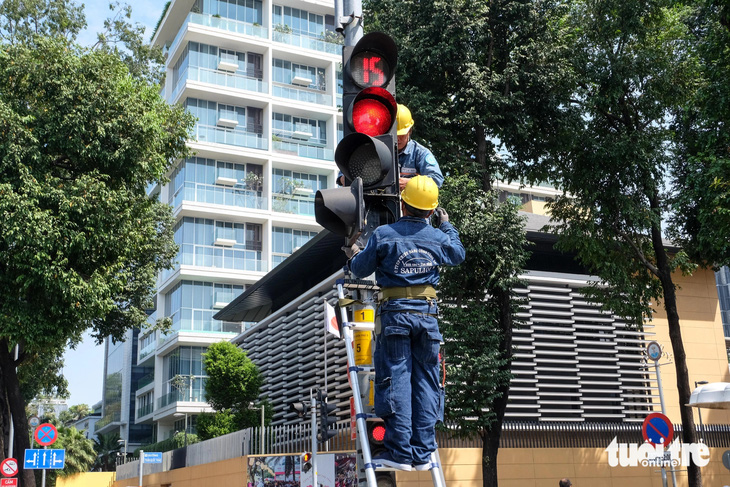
306	462
376	435
368	150
325	420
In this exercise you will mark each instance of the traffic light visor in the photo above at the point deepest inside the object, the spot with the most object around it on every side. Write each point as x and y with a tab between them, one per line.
341	210
362	156
373	112
373	60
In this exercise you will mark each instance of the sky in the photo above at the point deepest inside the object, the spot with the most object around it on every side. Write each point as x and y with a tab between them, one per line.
84	367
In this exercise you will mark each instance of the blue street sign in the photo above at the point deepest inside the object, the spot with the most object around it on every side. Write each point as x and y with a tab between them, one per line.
44	459
153	457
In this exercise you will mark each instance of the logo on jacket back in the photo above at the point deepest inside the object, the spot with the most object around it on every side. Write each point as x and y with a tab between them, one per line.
414	261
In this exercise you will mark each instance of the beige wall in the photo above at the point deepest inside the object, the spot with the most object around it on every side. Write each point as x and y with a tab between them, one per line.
518	467
704	343
89	479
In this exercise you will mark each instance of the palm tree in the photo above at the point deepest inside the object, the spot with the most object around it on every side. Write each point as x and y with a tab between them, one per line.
107	449
80	452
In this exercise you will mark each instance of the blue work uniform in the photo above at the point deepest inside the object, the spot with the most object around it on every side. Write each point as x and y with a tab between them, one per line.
408	394
415	159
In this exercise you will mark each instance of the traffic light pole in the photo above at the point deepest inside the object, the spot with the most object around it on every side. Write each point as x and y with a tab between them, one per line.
353	28
313	403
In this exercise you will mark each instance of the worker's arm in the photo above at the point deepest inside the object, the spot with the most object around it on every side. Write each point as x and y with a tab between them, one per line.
364	263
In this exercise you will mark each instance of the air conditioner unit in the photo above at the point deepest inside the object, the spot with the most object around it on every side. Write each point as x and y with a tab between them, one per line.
224	65
227	122
303	191
224	242
300	134
225	181
301	81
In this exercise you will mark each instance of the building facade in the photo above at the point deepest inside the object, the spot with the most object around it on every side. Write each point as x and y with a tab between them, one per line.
262	79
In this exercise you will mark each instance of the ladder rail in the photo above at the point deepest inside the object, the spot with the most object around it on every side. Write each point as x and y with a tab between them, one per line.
362	429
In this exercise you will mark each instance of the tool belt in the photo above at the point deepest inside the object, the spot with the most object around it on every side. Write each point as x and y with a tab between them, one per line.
423	291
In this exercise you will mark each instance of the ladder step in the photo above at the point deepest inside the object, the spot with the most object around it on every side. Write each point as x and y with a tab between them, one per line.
360	325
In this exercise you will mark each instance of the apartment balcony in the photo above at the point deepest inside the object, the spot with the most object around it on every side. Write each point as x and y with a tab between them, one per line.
219	195
179	396
303	149
145	411
293	203
308	96
221	23
228	136
219	78
145	380
221	257
282	34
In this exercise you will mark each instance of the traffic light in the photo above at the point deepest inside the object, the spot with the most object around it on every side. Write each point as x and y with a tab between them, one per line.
325	420
368	149
300	408
306	462
376	435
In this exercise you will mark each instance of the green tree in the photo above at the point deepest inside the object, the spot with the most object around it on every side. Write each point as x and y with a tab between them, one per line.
74	413
615	156
107	449
473	73
480	312
81	243
80	454
232	388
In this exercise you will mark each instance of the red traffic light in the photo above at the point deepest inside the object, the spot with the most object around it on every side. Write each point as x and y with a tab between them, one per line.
376	431
373	112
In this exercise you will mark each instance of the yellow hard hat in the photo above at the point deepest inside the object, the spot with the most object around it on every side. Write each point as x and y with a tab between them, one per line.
405	120
421	192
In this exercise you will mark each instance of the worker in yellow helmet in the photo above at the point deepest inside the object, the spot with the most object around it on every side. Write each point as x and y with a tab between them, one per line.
405	257
414	158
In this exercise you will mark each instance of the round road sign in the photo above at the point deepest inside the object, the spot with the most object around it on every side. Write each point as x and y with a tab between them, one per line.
9	467
34	421
654	351
657	429
45	434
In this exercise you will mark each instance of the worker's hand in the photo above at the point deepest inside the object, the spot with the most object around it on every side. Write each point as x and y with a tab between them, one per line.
351	251
402	182
441	216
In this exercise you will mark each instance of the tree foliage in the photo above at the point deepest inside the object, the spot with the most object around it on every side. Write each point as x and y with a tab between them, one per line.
479	312
80	241
107	447
232	388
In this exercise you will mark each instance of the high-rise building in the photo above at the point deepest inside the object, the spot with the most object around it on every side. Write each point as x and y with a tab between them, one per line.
262	79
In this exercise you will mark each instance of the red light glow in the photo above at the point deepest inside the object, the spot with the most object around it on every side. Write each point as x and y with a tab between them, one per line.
378	433
371	117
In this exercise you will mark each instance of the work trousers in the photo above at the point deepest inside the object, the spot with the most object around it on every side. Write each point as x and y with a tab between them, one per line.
408	395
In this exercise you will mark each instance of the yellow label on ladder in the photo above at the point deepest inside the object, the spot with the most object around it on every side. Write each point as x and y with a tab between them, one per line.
363	315
363	344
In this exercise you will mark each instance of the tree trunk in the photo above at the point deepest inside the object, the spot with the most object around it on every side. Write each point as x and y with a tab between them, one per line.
694	476
491	437
17	408
481	158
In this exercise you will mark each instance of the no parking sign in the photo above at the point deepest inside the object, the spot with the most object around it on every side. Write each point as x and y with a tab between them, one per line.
657	429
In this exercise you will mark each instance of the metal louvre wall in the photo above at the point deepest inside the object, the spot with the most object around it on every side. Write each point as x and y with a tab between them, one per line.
572	361
289	351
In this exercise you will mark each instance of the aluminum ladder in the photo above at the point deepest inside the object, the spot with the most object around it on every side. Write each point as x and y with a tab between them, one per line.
356	373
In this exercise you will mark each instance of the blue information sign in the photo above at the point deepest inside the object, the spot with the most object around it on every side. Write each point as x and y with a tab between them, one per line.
44	459
153	457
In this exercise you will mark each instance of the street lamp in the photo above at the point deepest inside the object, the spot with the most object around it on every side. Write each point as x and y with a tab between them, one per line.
179	415
699	412
120	442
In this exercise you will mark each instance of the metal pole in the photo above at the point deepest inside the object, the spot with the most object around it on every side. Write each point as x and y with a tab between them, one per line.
43	473
262	429
141	466
12	426
353	30
661	401
314	438
699	414
186	429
